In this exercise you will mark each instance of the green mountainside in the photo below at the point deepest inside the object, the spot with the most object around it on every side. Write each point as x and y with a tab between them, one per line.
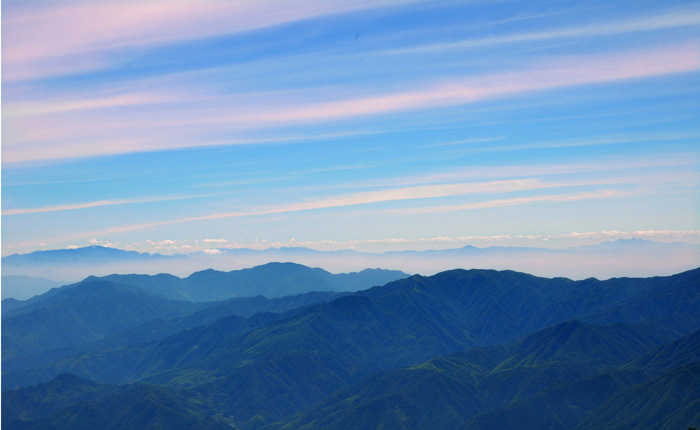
669	401
72	402
464	385
74	316
130	333
461	348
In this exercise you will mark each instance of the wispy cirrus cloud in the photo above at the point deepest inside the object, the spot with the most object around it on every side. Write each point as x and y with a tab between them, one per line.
304	113
415	193
549	73
425	198
467	141
46	107
681	18
383	196
72	36
499	203
677	163
95	204
73	136
590	141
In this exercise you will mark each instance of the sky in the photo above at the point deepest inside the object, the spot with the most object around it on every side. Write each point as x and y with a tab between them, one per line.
181	126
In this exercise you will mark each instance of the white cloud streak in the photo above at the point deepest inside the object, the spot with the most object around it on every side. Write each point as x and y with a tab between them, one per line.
46	107
95	204
392	195
548	74
77	136
673	19
619	165
73	36
490	204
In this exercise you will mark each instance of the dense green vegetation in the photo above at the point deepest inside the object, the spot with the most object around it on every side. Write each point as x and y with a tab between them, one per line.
471	349
74	316
71	402
548	379
39	336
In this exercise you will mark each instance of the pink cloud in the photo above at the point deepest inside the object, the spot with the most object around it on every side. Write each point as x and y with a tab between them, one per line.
548	74
70	132
59	37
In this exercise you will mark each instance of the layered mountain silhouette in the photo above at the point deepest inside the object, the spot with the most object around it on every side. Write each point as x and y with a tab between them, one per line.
270	280
460	349
623	257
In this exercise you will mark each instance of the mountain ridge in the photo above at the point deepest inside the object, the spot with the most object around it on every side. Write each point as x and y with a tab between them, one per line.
271	280
623	257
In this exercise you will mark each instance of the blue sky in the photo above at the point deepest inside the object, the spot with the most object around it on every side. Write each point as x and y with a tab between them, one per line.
166	126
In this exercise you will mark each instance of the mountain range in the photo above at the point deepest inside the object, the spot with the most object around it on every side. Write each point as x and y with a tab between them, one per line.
459	349
269	280
64	320
624	257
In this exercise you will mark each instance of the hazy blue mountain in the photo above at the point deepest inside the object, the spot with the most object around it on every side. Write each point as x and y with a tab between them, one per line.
625	257
281	279
405	398
680	293
162	283
444	392
25	287
243	308
265	369
566	352
669	401
71	265
572	341
9	304
667	357
578	404
270	280
159	329
92	254
560	406
42	400
74	316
